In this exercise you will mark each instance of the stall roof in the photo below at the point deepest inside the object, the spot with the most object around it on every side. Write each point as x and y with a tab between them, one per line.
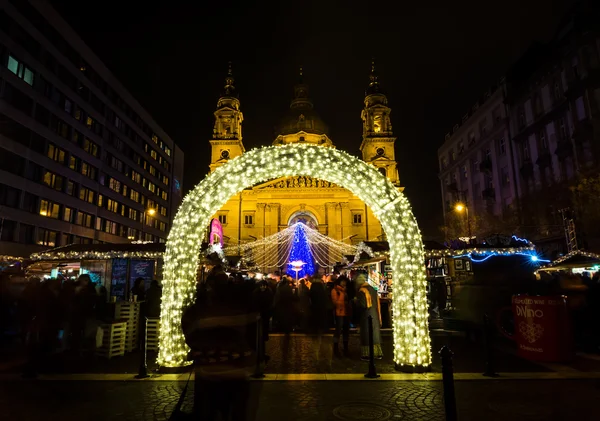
574	259
102	251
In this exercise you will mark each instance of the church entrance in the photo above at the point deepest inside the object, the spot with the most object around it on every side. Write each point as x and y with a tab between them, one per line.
410	328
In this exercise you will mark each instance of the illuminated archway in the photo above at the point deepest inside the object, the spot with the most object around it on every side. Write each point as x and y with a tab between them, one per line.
410	329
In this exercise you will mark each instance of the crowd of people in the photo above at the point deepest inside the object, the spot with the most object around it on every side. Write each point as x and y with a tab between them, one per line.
312	304
62	314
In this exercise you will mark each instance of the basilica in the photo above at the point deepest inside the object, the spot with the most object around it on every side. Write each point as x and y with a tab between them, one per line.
265	209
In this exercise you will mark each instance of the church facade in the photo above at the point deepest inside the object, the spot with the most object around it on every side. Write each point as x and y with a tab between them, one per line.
267	208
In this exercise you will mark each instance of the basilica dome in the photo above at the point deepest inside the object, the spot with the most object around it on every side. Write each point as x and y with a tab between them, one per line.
301	117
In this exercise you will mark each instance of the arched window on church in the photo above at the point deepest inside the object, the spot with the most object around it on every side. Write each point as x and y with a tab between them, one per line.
383	171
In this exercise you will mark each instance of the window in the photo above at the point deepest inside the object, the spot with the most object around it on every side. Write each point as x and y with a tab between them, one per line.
88	170
133	214
74	163
90	147
165	180
543	140
84	219
465	172
110	227
9	196
154	138
56	154
162	226
461	147
151	187
223	219
68	106
496	115
124	192
99	223
153	154
112	205
26	234
116	163
163	211
152	170
134	195
164	194
68	214
483	127
135	176
86	194
20	69
357	218
100	200
63	129
249	219
502	144
114	185
71	189
52	180
46	237
471	138
49	209
504	177
131	233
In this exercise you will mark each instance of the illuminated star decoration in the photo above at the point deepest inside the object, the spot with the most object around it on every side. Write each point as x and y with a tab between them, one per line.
409	304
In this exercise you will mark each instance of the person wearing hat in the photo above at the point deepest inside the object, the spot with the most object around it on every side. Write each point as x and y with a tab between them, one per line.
368	305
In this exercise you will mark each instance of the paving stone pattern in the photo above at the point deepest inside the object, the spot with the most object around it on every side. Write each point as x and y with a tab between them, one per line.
304	401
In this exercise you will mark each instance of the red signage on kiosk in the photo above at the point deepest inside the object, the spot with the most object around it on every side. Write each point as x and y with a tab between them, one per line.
542	328
216	232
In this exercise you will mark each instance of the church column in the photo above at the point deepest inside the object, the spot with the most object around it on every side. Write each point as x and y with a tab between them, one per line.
275	210
346	219
330	220
261	218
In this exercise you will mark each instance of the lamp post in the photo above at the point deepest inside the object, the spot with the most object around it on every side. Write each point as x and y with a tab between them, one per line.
297	267
463	207
151	212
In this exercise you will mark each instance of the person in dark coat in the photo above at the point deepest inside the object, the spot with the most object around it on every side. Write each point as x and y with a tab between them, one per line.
153	298
262	302
139	289
221	333
83	312
303	304
284	306
319	304
368	305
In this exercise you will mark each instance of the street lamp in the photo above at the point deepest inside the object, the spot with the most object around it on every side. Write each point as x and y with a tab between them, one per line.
461	207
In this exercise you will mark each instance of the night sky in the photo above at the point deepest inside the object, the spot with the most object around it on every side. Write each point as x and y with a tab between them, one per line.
434	61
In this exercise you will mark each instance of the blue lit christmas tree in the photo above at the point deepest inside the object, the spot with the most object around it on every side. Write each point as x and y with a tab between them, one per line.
301	251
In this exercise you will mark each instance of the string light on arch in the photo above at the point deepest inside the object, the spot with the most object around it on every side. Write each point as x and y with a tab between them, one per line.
412	346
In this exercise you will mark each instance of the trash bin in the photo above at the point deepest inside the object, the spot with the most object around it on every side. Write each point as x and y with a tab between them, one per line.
542	328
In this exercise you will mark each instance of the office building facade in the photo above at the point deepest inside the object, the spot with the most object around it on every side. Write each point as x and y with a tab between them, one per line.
80	160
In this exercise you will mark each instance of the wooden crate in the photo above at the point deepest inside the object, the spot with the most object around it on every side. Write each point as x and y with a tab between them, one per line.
152	330
131	312
113	339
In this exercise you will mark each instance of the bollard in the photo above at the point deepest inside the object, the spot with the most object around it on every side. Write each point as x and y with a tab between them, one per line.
372	374
143	370
448	382
488	344
260	351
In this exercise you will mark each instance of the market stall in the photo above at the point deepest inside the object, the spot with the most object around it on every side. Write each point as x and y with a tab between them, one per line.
576	262
113	266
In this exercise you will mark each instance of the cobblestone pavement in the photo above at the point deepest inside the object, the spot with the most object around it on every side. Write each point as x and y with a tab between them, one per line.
307	354
311	354
491	400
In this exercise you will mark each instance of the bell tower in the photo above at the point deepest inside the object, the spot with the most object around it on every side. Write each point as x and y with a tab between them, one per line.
378	142
226	141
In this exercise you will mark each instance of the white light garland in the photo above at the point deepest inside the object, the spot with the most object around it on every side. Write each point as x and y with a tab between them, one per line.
96	255
412	347
569	255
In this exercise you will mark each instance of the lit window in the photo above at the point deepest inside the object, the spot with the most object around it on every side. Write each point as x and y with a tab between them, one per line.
163	211
90	147
164	195
155	138
152	170
52	180
153	154
133	214
68	214
20	69
13	64
56	154
100	200
49	209
115	185
112	205
134	195
46	237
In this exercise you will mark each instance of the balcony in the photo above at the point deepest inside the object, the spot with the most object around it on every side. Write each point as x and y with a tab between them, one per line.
486	165
527	169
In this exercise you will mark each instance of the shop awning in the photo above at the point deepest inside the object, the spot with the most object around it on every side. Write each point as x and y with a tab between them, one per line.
102	251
